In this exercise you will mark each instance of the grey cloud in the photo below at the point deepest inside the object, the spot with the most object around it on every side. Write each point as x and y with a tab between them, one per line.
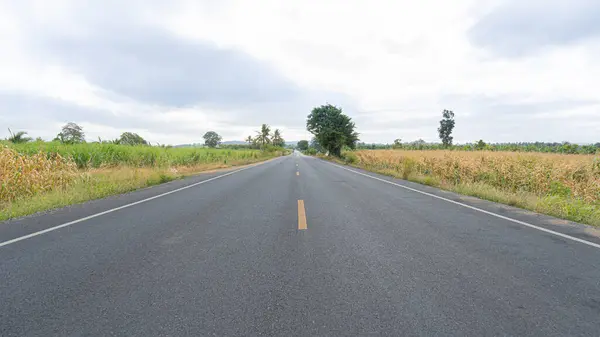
373	122
509	106
502	118
506	118
19	107
518	27
24	112
152	66
44	115
112	47
108	44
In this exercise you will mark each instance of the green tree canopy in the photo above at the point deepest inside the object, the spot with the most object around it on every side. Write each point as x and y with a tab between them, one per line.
446	127
130	138
303	145
314	144
332	128
212	139
71	133
480	145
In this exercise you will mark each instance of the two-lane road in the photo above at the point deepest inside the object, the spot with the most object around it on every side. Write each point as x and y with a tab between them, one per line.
227	254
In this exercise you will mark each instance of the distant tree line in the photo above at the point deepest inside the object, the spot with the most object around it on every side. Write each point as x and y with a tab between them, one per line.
265	139
480	145
72	133
333	131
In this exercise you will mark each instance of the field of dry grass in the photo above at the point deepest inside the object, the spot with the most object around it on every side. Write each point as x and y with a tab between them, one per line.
566	186
36	181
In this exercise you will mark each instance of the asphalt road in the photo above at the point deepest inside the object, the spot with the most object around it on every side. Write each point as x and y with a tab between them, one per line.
226	257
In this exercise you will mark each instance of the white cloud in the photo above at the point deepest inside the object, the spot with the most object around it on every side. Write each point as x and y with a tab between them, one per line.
392	65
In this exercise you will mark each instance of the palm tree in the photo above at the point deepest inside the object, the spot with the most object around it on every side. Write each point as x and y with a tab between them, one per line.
263	135
18	137
277	140
249	140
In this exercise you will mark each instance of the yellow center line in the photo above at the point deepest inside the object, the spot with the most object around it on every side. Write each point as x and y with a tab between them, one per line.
301	215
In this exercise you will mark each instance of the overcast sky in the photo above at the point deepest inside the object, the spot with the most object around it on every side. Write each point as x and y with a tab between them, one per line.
511	70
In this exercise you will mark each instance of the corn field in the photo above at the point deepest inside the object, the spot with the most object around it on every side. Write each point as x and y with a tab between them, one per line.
22	175
96	155
543	174
32	168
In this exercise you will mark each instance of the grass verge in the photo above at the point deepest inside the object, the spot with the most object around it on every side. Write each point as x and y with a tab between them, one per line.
99	183
560	206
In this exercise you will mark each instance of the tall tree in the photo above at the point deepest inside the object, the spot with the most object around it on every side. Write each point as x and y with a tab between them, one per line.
19	137
303	145
71	133
446	127
249	140
277	139
332	129
480	145
314	144
130	138
264	135
212	139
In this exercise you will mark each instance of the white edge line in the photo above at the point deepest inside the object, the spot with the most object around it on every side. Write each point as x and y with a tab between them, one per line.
21	238
476	209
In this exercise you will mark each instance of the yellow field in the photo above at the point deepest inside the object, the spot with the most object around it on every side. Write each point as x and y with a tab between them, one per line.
24	176
543	174
41	176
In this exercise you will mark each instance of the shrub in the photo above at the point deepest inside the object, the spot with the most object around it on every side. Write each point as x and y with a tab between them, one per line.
311	151
350	157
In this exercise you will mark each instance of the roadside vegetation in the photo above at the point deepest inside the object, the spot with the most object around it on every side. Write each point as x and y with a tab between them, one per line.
565	186
558	179
39	175
481	145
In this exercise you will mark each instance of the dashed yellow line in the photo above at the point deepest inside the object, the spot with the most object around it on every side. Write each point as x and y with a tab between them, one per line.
301	215
297	173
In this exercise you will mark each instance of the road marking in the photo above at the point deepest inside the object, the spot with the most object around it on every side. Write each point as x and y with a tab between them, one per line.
301	215
6	243
297	173
477	209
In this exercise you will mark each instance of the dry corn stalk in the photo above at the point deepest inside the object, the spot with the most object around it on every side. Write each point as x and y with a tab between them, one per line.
539	173
22	176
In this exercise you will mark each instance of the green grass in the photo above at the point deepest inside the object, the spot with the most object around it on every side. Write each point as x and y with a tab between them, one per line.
89	186
95	155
